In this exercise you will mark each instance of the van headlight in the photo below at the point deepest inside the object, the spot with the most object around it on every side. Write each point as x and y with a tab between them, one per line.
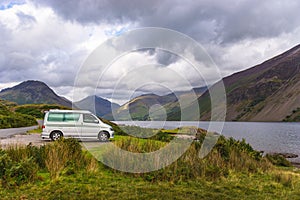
111	129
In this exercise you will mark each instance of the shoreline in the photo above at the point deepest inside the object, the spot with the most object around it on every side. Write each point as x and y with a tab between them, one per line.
35	140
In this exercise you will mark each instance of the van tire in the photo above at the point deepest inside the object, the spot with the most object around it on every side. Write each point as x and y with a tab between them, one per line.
56	135
103	136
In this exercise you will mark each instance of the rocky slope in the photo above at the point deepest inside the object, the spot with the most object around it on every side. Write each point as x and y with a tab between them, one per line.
269	91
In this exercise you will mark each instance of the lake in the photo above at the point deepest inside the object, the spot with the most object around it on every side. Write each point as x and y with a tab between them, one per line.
281	137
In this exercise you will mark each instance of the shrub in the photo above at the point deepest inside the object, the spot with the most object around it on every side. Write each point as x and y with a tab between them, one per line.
278	160
16	173
5	164
22	172
161	136
19	164
227	155
64	156
16	120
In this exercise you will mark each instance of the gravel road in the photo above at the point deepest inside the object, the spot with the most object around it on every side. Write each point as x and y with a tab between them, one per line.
9	132
24	139
18	136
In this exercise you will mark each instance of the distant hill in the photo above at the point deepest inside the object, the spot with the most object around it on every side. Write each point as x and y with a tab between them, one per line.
267	92
33	92
138	108
37	110
97	104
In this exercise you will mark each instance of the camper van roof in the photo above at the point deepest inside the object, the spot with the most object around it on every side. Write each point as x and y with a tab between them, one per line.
69	111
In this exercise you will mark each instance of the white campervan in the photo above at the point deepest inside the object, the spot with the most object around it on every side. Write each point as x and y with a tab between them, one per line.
76	124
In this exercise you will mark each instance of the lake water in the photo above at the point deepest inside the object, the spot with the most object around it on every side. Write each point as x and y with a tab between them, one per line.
263	136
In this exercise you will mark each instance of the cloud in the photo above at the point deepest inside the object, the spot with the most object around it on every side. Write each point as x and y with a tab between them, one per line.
223	21
49	40
6	4
37	44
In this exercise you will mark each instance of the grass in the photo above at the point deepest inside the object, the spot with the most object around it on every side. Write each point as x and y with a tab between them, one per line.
104	184
35	131
62	170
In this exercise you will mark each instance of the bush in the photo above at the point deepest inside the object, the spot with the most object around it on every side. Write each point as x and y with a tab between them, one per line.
20	164
5	164
227	155
16	173
278	160
16	120
22	172
161	136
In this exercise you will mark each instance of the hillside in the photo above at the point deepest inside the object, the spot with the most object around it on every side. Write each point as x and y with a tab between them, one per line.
269	91
37	110
99	105
33	92
139	107
10	119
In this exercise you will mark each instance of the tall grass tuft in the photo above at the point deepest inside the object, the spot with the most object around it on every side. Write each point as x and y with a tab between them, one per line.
284	178
20	164
228	155
64	156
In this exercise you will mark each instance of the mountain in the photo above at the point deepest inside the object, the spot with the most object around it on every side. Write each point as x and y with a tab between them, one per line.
99	105
269	91
33	92
152	106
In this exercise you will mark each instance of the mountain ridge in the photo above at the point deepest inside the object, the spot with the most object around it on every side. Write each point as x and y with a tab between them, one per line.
265	92
96	104
152	106
33	92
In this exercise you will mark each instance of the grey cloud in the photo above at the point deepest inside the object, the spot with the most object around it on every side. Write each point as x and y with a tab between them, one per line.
113	11
209	20
165	58
162	57
48	54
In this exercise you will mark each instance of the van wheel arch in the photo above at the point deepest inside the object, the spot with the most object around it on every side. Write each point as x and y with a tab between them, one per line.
103	136
56	135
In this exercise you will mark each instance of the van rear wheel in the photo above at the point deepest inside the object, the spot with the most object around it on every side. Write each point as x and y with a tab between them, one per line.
103	137
55	135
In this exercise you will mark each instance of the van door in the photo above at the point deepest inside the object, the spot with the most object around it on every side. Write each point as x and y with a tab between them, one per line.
71	124
67	123
90	126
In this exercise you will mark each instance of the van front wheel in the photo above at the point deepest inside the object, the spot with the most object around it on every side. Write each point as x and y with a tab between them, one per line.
103	137
55	135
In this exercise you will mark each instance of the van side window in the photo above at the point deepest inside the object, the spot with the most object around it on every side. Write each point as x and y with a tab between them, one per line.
73	117
90	119
63	117
56	117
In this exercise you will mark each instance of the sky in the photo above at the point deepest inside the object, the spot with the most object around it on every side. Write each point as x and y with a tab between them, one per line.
50	41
